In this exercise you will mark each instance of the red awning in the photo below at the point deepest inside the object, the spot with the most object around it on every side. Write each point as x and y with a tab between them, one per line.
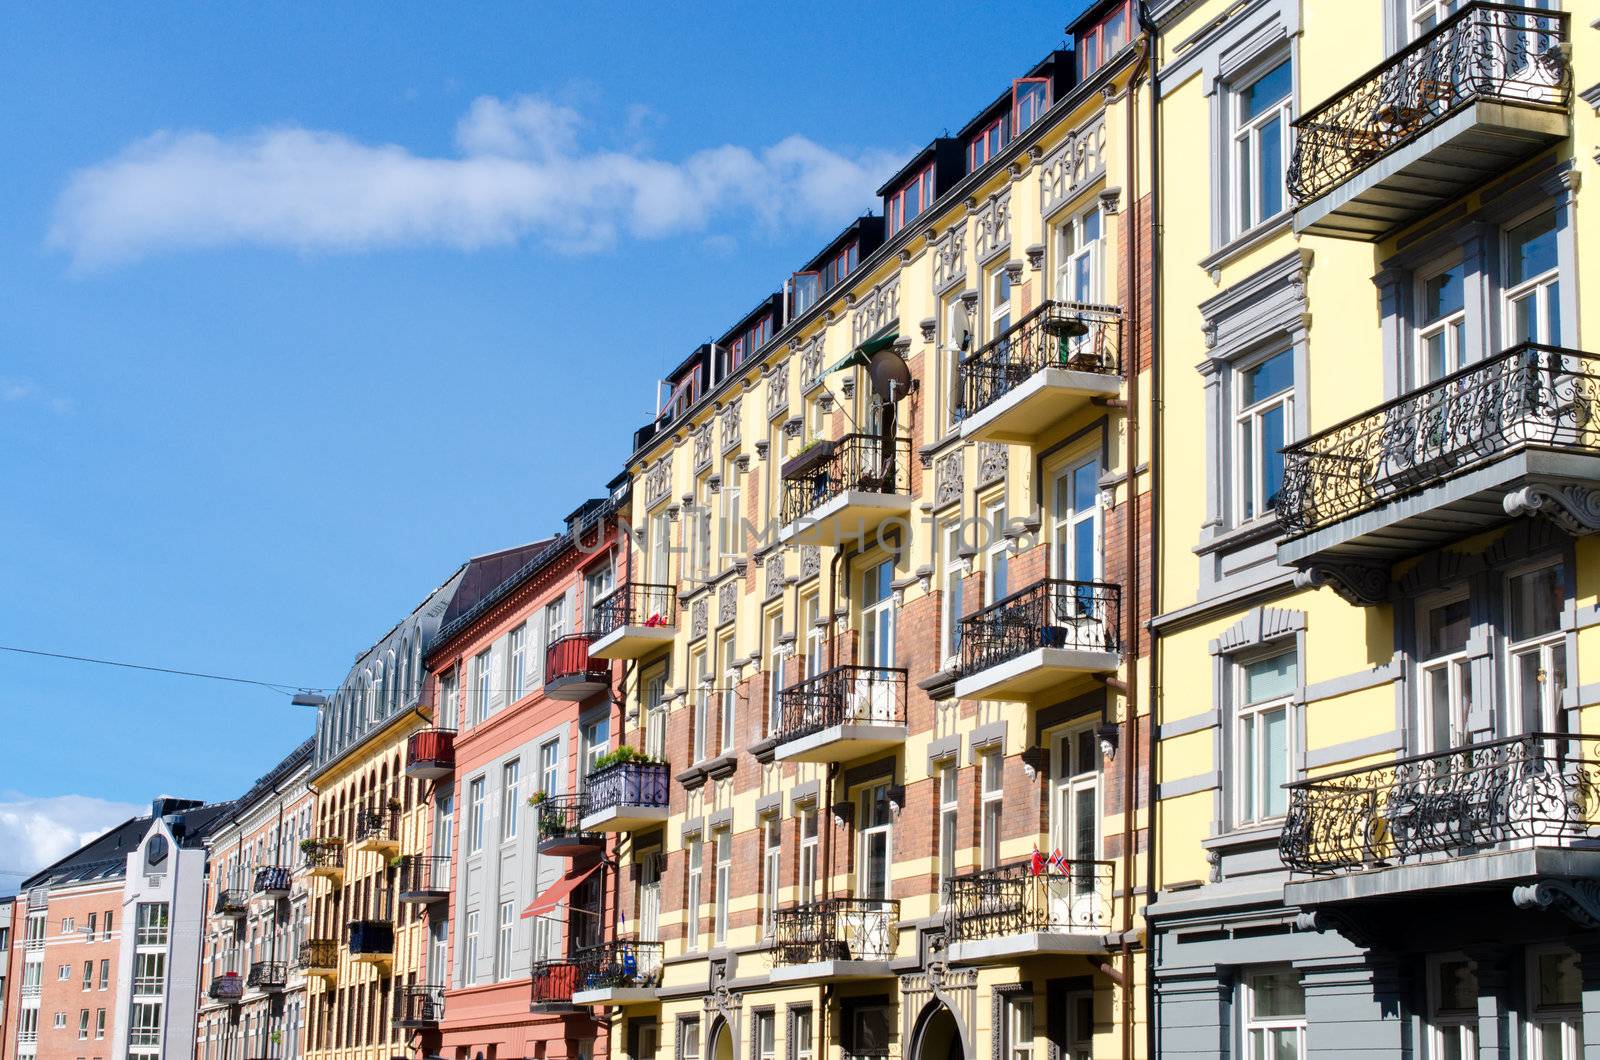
559	890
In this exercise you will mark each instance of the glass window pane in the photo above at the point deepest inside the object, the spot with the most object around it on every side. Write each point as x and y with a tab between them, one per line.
1270	167
1532	248
1275	767
1247	765
1275	375
1448	626
1271	678
1272	87
1277	995
1444	294
1536	599
1274	433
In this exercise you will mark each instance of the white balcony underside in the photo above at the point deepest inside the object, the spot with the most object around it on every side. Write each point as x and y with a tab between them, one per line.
615	995
1498	868
840	743
1027	675
1028	944
623	818
794	973
1037	404
851	516
632	642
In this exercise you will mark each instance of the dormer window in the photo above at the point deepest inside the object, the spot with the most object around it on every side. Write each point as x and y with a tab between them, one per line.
747	342
905	205
844	262
1098	44
1030	98
807	289
988	143
683	396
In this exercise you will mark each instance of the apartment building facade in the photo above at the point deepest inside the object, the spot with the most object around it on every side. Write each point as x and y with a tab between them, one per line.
522	709
253	1000
880	623
1376	563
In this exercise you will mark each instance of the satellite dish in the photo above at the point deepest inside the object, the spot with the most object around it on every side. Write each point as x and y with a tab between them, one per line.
891	379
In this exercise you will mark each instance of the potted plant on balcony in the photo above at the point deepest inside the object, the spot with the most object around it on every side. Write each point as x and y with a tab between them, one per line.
807	460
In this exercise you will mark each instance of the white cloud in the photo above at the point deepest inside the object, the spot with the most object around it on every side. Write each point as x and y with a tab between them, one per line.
14	391
523	172
36	832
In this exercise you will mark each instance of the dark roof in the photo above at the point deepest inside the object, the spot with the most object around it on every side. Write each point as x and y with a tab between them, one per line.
866	228
485	573
106	857
296	759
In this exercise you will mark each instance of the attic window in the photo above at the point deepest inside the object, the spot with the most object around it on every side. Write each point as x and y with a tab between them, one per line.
1030	98
155	854
905	205
988	143
1099	43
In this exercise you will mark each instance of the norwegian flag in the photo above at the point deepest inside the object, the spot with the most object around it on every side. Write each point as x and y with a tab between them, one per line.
1059	862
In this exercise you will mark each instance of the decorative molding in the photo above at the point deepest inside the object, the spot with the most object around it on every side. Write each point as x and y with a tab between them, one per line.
697	619
727	602
810	561
1571	507
1035	255
702	446
992	232
1358	583
778	390
1080	160
1323	920
811	360
950	259
947	478
879	308
774	569
658	480
993	458
728	423
1578	899
1257	627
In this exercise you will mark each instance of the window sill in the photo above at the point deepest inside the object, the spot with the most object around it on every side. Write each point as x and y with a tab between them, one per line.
1254	532
1251	835
1261	233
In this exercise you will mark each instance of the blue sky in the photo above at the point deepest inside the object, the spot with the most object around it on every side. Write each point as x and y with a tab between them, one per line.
304	304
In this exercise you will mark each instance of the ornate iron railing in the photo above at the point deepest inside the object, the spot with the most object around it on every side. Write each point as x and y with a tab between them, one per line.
861	462
568	657
1530	395
1493	52
380	824
1072	897
835	929
317	954
229	986
231	901
434	747
1073	335
427	873
561	816
271	879
324	854
420	1005
627	784
1535	789
844	695
1052	613
268	975
636	604
553	982
623	963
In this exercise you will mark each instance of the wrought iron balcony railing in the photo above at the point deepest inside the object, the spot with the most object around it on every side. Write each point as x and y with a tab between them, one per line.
834	929
1072	335
1052	613
268	975
272	879
1484	52
382	825
1069	898
636	604
1528	396
317	954
423	874
623	963
1534	789
324	854
844	695
627	784
431	751
561	816
420	1006
553	982
228	986
231	901
568	658
860	462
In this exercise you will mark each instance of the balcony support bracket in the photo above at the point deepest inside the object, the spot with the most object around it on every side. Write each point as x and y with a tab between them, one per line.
1573	508
1361	584
1578	899
1322	920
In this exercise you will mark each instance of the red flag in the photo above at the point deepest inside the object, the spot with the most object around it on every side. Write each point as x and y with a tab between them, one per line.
1038	862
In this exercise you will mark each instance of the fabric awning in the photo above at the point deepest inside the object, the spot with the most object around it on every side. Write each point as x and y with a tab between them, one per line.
862	354
556	892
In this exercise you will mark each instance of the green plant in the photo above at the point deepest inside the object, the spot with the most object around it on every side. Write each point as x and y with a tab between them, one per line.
622	754
308	845
394	861
536	798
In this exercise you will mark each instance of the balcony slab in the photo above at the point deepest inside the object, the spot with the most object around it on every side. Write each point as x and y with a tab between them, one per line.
632	642
841	743
1497	868
821	970
623	818
615	995
1033	407
1027	944
851	515
1027	675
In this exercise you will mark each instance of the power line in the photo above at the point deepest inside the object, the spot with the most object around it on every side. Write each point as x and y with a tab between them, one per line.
279	687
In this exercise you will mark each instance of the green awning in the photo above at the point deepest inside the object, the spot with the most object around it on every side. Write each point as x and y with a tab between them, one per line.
862	355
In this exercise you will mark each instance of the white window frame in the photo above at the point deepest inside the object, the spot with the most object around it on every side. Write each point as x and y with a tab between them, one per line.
991	805
655	713
1248	434
1548	650
550	767
1565	1020
771	872
1249	747
477	792
952	574
510	797
722	851
695	878
996	552
775	661
1265	1026
1426	15
728	708
999	292
1451	327
949	836
517	663
1066	518
1543	288
866	835
1076	247
1245	143
699	743
729	529
1456	666
805	1033
598	583
1441	1024
810	832
504	941
469	948
1019	1025
482	684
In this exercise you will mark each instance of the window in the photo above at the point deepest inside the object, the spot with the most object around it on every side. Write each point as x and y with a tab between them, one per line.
701	511
689	1039
655	714
61	1021
1079	252
596	742
991	767
997	552
803	1037
1262	736
999	305
99	1023
1537	648
1441	338
88	932
475	798
1263	424
949	778
83	1025
724	854
763	1036
805	290
88	975
815	633
105	975
107	922
1446	675
692	898
1556	1022
517	654
470	951
728	713
744	345
702	705
877	628
67	925
867	1027
1426	14
1019	1027
597	585
905	205
988	143
150	929
842	264
510	797
660	549
1275	1016
150	973
730	530
771	865
550	767
1076	521
1030	98
502	952
808	852
1099	43
877	845
555	621
775	659
1533	285
1452	1008
1260	147
482	686
952	580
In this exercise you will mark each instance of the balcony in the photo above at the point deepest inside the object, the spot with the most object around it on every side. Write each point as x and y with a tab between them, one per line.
324	858
420	1007
626	796
231	902
1011	912
319	957
635	621
618	973
843	491
570	673
1030	641
425	878
553	984
372	942
841	714
377	831
1488	88
271	881
835	938
561	831
270	976
227	987
1511	435
1497	812
1047	366
431	754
